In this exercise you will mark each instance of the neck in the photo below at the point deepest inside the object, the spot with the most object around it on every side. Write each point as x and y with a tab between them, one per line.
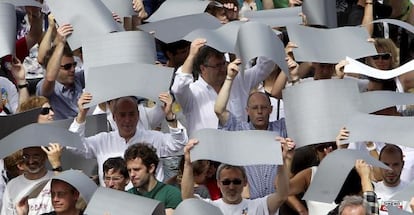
149	186
233	202
34	176
393	185
261	127
72	211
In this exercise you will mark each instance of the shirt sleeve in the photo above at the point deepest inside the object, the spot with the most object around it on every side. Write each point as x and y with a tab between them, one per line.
259	72
181	88
370	198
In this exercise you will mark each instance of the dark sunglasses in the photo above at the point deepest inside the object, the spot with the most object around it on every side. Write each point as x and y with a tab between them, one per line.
45	110
228	182
383	56
322	146
69	65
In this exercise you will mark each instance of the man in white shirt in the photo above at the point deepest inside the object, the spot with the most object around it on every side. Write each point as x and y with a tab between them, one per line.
231	180
34	171
392	156
197	98
113	144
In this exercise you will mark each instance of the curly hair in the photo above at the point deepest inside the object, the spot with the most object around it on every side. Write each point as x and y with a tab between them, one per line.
146	152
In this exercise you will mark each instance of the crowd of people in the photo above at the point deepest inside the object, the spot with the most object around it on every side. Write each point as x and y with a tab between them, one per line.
146	150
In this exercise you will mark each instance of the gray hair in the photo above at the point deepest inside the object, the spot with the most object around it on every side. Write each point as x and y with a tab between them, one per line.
228	166
355	201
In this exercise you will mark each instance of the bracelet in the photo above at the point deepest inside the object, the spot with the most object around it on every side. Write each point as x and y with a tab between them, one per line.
373	147
171	120
295	81
229	78
57	169
21	86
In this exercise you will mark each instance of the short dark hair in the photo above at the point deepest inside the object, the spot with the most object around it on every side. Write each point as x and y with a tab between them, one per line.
67	52
147	153
391	148
202	57
173	47
117	164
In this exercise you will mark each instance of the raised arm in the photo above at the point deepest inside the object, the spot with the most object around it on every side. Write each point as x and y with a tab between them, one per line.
169	115
224	94
275	200
194	48
54	154
364	171
46	42
35	17
282	79
53	66
368	14
19	74
187	182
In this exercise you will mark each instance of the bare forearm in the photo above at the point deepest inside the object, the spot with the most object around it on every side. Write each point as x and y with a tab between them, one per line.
279	85
268	4
45	45
368	16
187	182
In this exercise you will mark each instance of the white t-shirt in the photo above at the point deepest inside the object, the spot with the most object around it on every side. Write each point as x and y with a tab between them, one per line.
384	193
247	206
39	205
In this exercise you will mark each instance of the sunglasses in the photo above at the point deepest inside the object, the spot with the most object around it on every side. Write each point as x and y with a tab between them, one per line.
45	110
228	182
383	56
69	65
322	146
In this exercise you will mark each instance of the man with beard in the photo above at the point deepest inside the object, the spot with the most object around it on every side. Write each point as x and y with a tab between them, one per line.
142	161
34	159
392	156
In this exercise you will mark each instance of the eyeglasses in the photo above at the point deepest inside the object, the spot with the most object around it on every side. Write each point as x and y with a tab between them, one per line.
113	178
256	107
27	157
45	110
217	66
383	56
234	181
60	194
69	65
322	146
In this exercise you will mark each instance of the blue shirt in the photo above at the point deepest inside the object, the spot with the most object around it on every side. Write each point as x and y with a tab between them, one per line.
64	101
260	177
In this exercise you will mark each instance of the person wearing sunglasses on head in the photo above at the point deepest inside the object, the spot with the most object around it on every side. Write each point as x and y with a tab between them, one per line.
61	84
231	180
34	165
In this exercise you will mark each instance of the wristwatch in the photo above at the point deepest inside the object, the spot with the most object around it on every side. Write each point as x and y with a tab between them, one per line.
172	119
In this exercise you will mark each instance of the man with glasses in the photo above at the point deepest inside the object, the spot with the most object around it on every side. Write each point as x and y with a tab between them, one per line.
115	173
61	84
258	109
197	97
34	159
231	180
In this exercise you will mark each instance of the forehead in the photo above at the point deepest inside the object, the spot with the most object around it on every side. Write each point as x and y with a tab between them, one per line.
391	157
113	171
231	173
60	185
258	98
126	105
66	59
137	162
33	150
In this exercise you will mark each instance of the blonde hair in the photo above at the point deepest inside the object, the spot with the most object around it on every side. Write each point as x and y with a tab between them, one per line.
388	46
33	102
